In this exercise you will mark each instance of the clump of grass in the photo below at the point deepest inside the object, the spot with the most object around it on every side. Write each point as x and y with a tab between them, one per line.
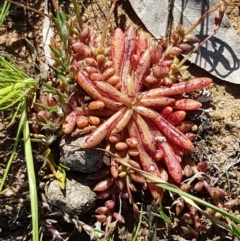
16	90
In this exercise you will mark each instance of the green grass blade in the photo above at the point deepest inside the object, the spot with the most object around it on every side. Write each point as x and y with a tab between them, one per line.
11	103
10	67
31	173
20	126
138	225
199	201
4	12
7	91
235	230
14	114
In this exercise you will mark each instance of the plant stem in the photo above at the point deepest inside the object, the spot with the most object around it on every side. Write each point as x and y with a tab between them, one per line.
202	18
31	173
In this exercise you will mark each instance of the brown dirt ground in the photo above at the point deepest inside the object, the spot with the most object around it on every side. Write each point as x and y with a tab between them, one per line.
218	139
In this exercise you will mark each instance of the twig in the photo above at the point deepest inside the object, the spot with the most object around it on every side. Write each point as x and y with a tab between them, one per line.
29	8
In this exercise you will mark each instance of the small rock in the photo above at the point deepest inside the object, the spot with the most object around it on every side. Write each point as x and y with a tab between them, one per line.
77	198
86	161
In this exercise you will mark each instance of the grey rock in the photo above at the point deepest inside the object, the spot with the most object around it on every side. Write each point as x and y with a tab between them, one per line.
219	56
86	161
159	15
77	198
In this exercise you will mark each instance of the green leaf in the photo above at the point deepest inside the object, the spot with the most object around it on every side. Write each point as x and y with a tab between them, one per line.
61	177
161	214
235	229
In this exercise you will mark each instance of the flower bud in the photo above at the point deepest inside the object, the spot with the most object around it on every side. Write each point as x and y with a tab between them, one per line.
134	164
216	192
180	29
150	79
188	217
164	41
185	187
186	126
43	114
100	58
179	206
84	34
217	215
174	51
103	185
229	204
107	51
156	52
202	166
72	102
106	65
166	81
114	138
133	152
190	136
110	204
191	38
118	217
101	210
82	49
94	120
156	70
120	182
105	194
176	117
132	142
217	20
167	111
121	146
91	62
185	47
122	174
198	186
82	121
158	155
174	68
175	36
166	63
187	171
210	211
101	218
92	70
